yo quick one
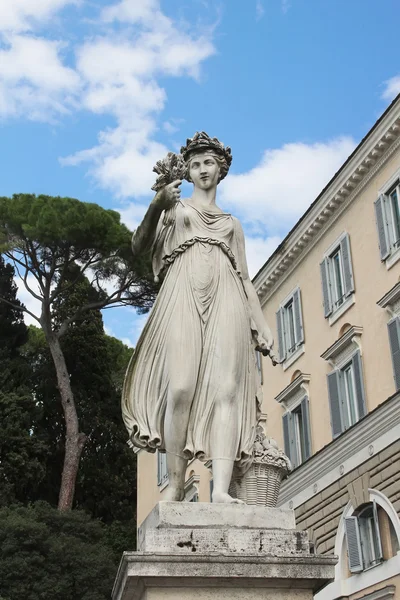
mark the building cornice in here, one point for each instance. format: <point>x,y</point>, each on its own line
<point>373,152</point>
<point>343,454</point>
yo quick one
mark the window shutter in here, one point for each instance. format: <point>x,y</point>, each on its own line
<point>394,338</point>
<point>378,534</point>
<point>162,472</point>
<point>381,224</point>
<point>325,287</point>
<point>305,417</point>
<point>281,343</point>
<point>288,437</point>
<point>158,468</point>
<point>353,544</point>
<point>359,384</point>
<point>298,320</point>
<point>347,266</point>
<point>286,434</point>
<point>334,403</point>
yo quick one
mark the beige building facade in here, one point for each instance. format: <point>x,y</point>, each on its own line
<point>332,288</point>
<point>331,293</point>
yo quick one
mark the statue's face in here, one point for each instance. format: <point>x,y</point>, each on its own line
<point>204,171</point>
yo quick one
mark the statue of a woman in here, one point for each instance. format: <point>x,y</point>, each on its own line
<point>190,388</point>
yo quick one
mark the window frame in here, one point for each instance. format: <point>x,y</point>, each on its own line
<point>289,318</point>
<point>162,470</point>
<point>338,287</point>
<point>363,553</point>
<point>388,222</point>
<point>339,399</point>
<point>297,432</point>
<point>394,344</point>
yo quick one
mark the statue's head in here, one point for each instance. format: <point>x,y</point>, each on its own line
<point>200,145</point>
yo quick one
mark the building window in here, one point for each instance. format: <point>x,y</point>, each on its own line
<point>290,326</point>
<point>162,473</point>
<point>387,211</point>
<point>394,339</point>
<point>296,433</point>
<point>337,276</point>
<point>363,538</point>
<point>346,395</point>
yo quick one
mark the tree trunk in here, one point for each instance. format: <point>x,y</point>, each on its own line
<point>74,440</point>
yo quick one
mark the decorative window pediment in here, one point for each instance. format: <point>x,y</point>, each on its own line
<point>294,392</point>
<point>391,301</point>
<point>344,347</point>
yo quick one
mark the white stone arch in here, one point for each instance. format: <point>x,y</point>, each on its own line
<point>382,501</point>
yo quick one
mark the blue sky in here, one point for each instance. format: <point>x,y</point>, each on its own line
<point>93,92</point>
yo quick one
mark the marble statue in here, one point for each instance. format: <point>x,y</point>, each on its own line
<point>190,388</point>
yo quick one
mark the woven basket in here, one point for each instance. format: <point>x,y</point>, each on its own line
<point>260,485</point>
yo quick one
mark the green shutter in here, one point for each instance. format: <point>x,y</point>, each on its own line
<point>325,288</point>
<point>380,213</point>
<point>353,544</point>
<point>334,403</point>
<point>394,338</point>
<point>298,320</point>
<point>281,342</point>
<point>359,384</point>
<point>305,416</point>
<point>377,532</point>
<point>347,266</point>
<point>289,439</point>
<point>286,434</point>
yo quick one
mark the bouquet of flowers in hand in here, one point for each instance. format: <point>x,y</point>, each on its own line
<point>169,169</point>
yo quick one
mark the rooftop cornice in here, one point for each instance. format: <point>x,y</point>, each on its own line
<point>372,152</point>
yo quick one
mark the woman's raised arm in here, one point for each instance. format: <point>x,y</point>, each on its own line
<point>165,199</point>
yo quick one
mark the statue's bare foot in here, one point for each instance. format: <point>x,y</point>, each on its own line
<point>225,498</point>
<point>174,494</point>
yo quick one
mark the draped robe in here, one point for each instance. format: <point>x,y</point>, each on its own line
<point>199,331</point>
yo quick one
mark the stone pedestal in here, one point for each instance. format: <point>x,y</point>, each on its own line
<point>199,551</point>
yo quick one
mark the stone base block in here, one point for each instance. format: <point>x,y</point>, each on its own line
<point>199,551</point>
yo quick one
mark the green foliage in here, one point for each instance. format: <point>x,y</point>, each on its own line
<point>47,554</point>
<point>106,481</point>
<point>54,221</point>
<point>13,332</point>
<point>47,236</point>
<point>22,452</point>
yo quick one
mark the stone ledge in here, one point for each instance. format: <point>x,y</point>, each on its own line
<point>142,570</point>
<point>207,515</point>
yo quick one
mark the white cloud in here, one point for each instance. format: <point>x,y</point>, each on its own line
<point>23,15</point>
<point>133,214</point>
<point>131,11</point>
<point>258,250</point>
<point>284,183</point>
<point>33,81</point>
<point>392,88</point>
<point>28,300</point>
<point>122,78</point>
